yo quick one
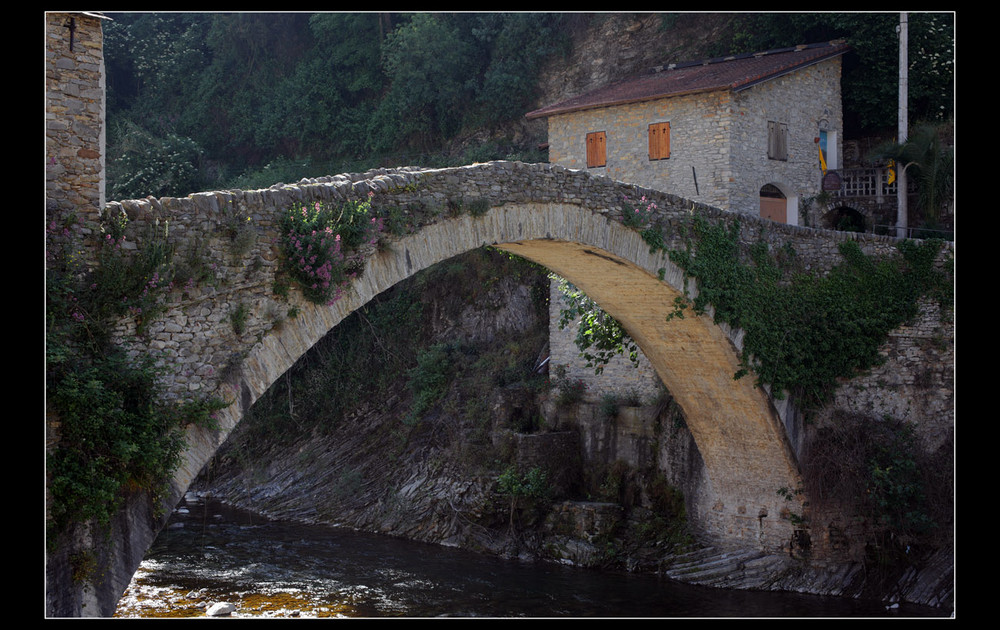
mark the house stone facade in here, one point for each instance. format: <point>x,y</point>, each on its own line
<point>721,117</point>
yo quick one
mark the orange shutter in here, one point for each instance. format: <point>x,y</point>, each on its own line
<point>659,141</point>
<point>596,151</point>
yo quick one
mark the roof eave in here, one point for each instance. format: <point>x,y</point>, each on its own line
<point>541,113</point>
<point>780,73</point>
<point>737,87</point>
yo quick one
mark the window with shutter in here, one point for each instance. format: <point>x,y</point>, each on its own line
<point>659,141</point>
<point>777,140</point>
<point>596,149</point>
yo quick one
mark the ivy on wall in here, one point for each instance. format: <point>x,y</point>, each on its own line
<point>804,331</point>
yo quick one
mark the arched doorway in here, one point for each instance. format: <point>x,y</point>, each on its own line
<point>773,204</point>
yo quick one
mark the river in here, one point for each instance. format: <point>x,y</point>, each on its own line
<point>211,553</point>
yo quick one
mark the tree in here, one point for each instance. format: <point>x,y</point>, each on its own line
<point>930,163</point>
<point>532,485</point>
<point>428,66</point>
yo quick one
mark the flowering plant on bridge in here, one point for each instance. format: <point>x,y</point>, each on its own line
<point>637,215</point>
<point>324,247</point>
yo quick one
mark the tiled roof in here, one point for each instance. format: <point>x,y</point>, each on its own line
<point>735,73</point>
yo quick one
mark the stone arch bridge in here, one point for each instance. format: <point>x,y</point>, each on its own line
<point>566,220</point>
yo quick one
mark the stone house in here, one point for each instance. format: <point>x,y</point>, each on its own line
<point>751,133</point>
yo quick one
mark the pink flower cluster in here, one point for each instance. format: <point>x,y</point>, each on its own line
<point>637,215</point>
<point>317,257</point>
<point>321,245</point>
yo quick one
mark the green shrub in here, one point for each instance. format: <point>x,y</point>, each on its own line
<point>430,378</point>
<point>526,490</point>
<point>115,433</point>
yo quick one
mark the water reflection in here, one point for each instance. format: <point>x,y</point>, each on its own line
<point>211,553</point>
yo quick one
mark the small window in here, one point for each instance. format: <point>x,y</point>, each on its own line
<point>596,149</point>
<point>777,140</point>
<point>659,141</point>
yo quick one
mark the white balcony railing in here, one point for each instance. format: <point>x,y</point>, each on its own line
<point>865,182</point>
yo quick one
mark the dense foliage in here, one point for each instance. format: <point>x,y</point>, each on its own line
<point>805,331</point>
<point>234,93</point>
<point>214,100</point>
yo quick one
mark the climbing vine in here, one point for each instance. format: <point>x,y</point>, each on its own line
<point>803,331</point>
<point>599,337</point>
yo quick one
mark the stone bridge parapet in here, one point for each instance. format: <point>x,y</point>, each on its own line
<point>227,242</point>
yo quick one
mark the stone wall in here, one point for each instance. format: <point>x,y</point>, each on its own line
<point>74,115</point>
<point>699,144</point>
<point>916,382</point>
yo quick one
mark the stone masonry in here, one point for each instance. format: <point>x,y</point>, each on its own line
<point>74,115</point>
<point>718,140</point>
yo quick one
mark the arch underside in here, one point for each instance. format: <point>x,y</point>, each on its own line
<point>733,423</point>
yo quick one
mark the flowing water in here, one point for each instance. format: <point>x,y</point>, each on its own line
<point>210,553</point>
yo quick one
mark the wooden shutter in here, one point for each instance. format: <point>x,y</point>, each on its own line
<point>659,141</point>
<point>777,140</point>
<point>596,149</point>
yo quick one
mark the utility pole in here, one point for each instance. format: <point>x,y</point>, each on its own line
<point>901,208</point>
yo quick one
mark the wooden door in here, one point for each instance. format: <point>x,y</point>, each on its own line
<point>774,208</point>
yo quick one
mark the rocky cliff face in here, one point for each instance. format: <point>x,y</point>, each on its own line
<point>607,47</point>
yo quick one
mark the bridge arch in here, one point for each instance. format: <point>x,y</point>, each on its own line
<point>738,431</point>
